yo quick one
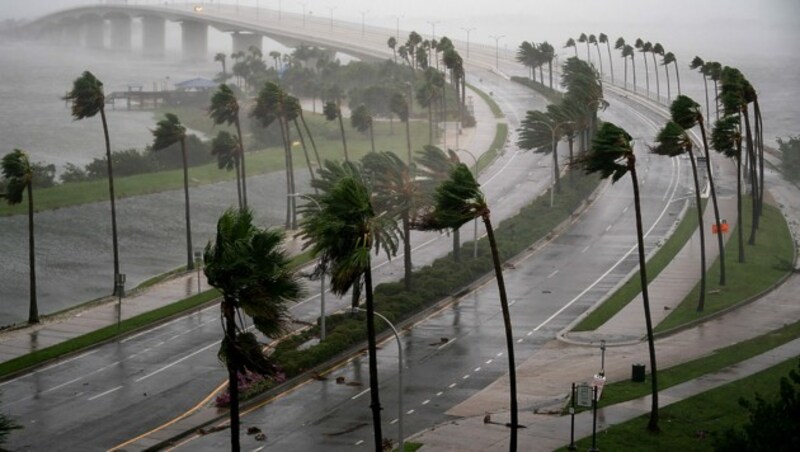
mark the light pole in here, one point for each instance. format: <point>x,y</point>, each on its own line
<point>433,28</point>
<point>468,30</point>
<point>322,329</point>
<point>198,262</point>
<point>397,27</point>
<point>331,8</point>
<point>304,4</point>
<point>475,221</point>
<point>399,377</point>
<point>363,13</point>
<point>119,284</point>
<point>497,50</point>
<point>602,357</point>
<point>553,130</point>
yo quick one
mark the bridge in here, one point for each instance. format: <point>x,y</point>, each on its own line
<point>110,26</point>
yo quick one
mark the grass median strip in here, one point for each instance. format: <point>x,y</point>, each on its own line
<point>496,111</point>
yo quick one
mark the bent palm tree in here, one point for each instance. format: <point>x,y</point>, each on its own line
<point>620,45</point>
<point>398,104</point>
<point>361,120</point>
<point>18,173</point>
<point>87,100</point>
<point>612,156</point>
<point>226,148</point>
<point>332,112</point>
<point>225,109</point>
<point>640,46</point>
<point>169,131</point>
<point>585,40</point>
<point>657,49</point>
<point>727,139</point>
<point>433,167</point>
<point>627,51</point>
<point>341,235</point>
<point>457,201</point>
<point>249,266</point>
<point>593,40</point>
<point>602,38</point>
<point>571,43</point>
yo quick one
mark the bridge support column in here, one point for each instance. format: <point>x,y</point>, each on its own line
<point>121,33</point>
<point>95,33</point>
<point>195,40</point>
<point>70,35</point>
<point>153,35</point>
<point>243,41</point>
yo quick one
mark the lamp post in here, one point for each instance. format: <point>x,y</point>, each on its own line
<point>198,262</point>
<point>363,13</point>
<point>397,27</point>
<point>475,221</point>
<point>399,378</point>
<point>497,50</point>
<point>468,30</point>
<point>433,28</point>
<point>322,329</point>
<point>119,288</point>
<point>304,4</point>
<point>602,357</point>
<point>553,129</point>
<point>331,8</point>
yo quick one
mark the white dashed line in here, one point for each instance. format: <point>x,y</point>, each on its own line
<point>552,274</point>
<point>359,394</point>
<point>410,412</point>
<point>465,377</point>
<point>359,442</point>
<point>425,402</point>
<point>625,209</point>
<point>439,393</point>
<point>477,369</point>
<point>608,228</point>
<point>500,354</point>
<point>394,421</point>
<point>213,344</point>
<point>104,393</point>
<point>452,385</point>
<point>447,343</point>
<point>519,341</point>
<point>489,361</point>
<point>529,333</point>
<point>586,249</point>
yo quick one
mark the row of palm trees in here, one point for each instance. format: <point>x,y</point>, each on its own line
<point>533,55</point>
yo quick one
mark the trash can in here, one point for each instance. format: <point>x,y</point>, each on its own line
<point>637,373</point>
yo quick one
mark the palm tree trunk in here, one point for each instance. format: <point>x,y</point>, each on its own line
<point>310,138</point>
<point>626,72</point>
<point>114,239</point>
<point>375,402</point>
<point>371,137</point>
<point>716,98</point>
<point>571,142</point>
<point>305,149</point>
<point>753,176</point>
<point>669,92</point>
<point>575,48</point>
<point>233,371</point>
<point>701,304</point>
<point>550,72</point>
<point>189,259</point>
<point>406,250</point>
<point>408,139</point>
<point>341,129</point>
<point>658,82</point>
<point>292,186</point>
<point>588,53</point>
<point>237,165</point>
<point>610,63</point>
<point>430,123</point>
<point>244,173</point>
<point>457,244</point>
<point>599,59</point>
<point>33,310</point>
<point>556,175</point>
<point>720,244</point>
<point>652,425</point>
<point>760,147</point>
<point>708,113</point>
<point>646,74</point>
<point>739,215</point>
<point>677,76</point>
<point>287,159</point>
<point>512,370</point>
<point>633,69</point>
<point>541,75</point>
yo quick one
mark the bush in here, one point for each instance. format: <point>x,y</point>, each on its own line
<point>73,173</point>
<point>44,175</point>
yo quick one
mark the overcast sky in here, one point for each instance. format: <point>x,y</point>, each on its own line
<point>679,24</point>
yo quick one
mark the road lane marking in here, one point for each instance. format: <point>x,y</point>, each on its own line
<point>394,421</point>
<point>438,394</point>
<point>489,361</point>
<point>52,366</point>
<point>529,333</point>
<point>176,362</point>
<point>410,411</point>
<point>519,341</point>
<point>499,354</point>
<point>625,209</point>
<point>359,442</point>
<point>477,369</point>
<point>105,393</point>
<point>452,385</point>
<point>359,394</point>
<point>446,343</point>
<point>555,272</point>
<point>465,377</point>
<point>586,249</point>
<point>425,402</point>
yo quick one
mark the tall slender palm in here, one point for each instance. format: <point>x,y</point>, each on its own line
<point>585,39</point>
<point>433,167</point>
<point>18,175</point>
<point>627,51</point>
<point>647,47</point>
<point>250,267</point>
<point>540,133</point>
<point>700,65</point>
<point>714,70</point>
<point>168,132</point>
<point>656,49</point>
<point>571,43</point>
<point>620,45</point>
<point>427,95</point>
<point>726,137</point>
<point>548,54</point>
<point>459,200</point>
<point>526,55</point>
<point>398,104</point>
<point>639,45</point>
<point>668,58</point>
<point>686,113</point>
<point>612,155</point>
<point>341,234</point>
<point>361,120</point>
<point>227,149</point>
<point>333,111</point>
<point>225,109</point>
<point>293,110</point>
<point>593,40</point>
<point>672,140</point>
<point>398,192</point>
<point>602,38</point>
<point>87,100</point>
<point>220,58</point>
<point>392,43</point>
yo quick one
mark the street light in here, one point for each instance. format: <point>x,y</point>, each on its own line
<point>475,220</point>
<point>198,262</point>
<point>322,329</point>
<point>397,27</point>
<point>363,13</point>
<point>433,28</point>
<point>304,4</point>
<point>497,50</point>
<point>356,309</point>
<point>553,130</point>
<point>468,30</point>
<point>119,288</point>
<point>331,8</point>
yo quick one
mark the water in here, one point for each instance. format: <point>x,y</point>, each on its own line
<point>34,78</point>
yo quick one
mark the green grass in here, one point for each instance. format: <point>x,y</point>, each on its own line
<point>766,263</point>
<point>711,412</point>
<point>106,333</point>
<point>628,291</point>
<point>258,162</point>
<point>496,111</point>
<point>500,137</point>
<point>410,446</point>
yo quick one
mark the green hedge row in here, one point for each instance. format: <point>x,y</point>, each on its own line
<point>551,95</point>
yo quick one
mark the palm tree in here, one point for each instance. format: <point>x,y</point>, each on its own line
<point>620,45</point>
<point>548,54</point>
<point>270,106</point>
<point>647,47</point>
<point>398,192</point>
<point>18,175</point>
<point>727,139</point>
<point>571,43</point>
<point>428,93</point>
<point>526,55</point>
<point>459,200</point>
<point>399,106</point>
<point>686,113</point>
<point>593,40</point>
<point>250,267</point>
<point>627,51</point>
<point>341,234</point>
<point>333,110</point>
<point>433,167</point>
<point>656,49</point>
<point>540,133</point>
<point>293,112</point>
<point>668,58</point>
<point>220,57</point>
<point>227,150</point>
<point>714,73</point>
<point>700,65</point>
<point>612,155</point>
<point>639,44</point>
<point>169,131</point>
<point>392,43</point>
<point>225,109</point>
<point>584,39</point>
<point>361,120</point>
<point>276,58</point>
<point>87,100</point>
<point>602,38</point>
<point>672,140</point>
